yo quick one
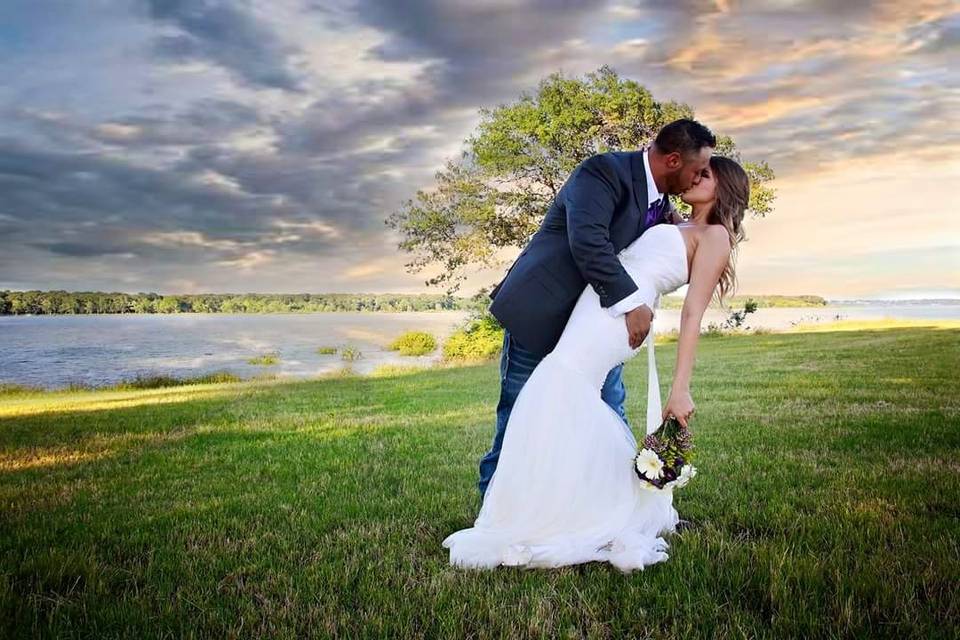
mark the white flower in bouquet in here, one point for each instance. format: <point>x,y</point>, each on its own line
<point>686,472</point>
<point>649,463</point>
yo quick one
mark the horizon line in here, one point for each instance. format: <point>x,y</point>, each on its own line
<point>467,297</point>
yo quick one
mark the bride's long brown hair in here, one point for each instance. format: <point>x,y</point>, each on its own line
<point>732,199</point>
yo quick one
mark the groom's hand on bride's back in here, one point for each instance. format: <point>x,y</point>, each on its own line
<point>638,324</point>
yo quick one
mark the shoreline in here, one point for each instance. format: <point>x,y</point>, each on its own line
<point>226,377</point>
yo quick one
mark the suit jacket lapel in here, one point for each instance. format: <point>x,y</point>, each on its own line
<point>639,182</point>
<point>639,187</point>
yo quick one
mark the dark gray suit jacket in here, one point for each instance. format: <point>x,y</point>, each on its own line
<point>599,210</point>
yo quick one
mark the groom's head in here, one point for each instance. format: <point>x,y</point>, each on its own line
<point>680,153</point>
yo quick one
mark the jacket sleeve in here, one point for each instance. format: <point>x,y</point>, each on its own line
<point>589,198</point>
<point>642,296</point>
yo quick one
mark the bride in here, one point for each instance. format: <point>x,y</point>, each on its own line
<point>564,491</point>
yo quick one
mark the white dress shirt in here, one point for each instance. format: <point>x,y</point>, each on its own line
<point>635,299</point>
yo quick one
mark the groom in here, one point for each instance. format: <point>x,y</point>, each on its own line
<point>606,203</point>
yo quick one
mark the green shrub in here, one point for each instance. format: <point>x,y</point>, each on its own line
<point>714,330</point>
<point>215,377</point>
<point>414,343</point>
<point>733,325</point>
<point>326,351</point>
<point>140,381</point>
<point>147,382</point>
<point>13,389</point>
<point>481,338</point>
<point>350,353</point>
<point>158,381</point>
<point>266,359</point>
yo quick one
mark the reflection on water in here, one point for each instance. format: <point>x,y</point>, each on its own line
<point>54,351</point>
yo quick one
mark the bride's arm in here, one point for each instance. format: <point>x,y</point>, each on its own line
<point>709,260</point>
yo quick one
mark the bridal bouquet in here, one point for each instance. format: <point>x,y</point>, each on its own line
<point>663,463</point>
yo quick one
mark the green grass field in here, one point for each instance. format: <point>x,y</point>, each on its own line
<point>826,505</point>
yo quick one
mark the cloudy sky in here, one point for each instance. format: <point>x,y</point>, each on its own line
<point>185,146</point>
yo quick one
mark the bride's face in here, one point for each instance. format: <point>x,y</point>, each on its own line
<point>704,192</point>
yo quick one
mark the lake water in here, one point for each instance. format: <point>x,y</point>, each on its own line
<point>55,351</point>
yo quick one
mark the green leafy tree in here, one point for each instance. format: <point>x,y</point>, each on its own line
<point>144,305</point>
<point>168,304</point>
<point>495,195</point>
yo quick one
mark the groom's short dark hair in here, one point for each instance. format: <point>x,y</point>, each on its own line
<point>685,136</point>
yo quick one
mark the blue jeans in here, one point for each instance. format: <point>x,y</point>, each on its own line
<point>516,365</point>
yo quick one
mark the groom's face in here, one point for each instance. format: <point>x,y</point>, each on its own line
<point>688,169</point>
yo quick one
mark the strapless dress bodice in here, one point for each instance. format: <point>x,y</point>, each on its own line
<point>657,261</point>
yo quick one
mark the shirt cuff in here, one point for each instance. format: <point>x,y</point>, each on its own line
<point>644,295</point>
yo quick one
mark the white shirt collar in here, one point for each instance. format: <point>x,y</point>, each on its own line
<point>652,194</point>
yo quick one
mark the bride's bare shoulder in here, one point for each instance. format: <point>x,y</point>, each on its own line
<point>714,236</point>
<point>713,245</point>
<point>717,234</point>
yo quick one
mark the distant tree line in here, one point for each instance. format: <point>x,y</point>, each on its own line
<point>92,302</point>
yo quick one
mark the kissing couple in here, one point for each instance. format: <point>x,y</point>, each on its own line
<point>558,485</point>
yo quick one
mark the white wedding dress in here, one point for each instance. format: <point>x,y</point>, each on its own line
<point>565,490</point>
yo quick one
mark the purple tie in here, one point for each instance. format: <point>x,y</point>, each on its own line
<point>654,213</point>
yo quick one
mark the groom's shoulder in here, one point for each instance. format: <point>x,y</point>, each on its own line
<point>609,157</point>
<point>612,164</point>
<point>615,158</point>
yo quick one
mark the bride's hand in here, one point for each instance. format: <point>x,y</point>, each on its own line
<point>680,404</point>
